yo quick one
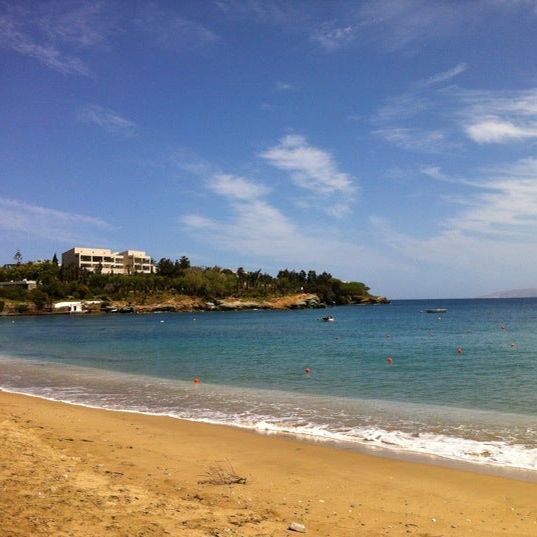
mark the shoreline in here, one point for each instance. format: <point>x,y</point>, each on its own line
<point>189,304</point>
<point>73,470</point>
<point>430,459</point>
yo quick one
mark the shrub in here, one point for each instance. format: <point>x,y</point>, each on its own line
<point>22,308</point>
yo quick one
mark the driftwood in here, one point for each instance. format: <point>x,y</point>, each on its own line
<point>222,475</point>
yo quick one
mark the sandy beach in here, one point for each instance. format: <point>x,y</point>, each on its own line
<point>74,471</point>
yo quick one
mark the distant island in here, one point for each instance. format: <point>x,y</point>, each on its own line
<point>43,287</point>
<point>530,292</point>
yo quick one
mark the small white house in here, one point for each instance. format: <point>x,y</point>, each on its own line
<point>74,306</point>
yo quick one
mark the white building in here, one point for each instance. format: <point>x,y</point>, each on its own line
<point>109,262</point>
<point>72,306</point>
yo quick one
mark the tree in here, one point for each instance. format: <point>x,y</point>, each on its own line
<point>39,298</point>
<point>55,259</point>
<point>165,267</point>
<point>184,262</point>
<point>241,274</point>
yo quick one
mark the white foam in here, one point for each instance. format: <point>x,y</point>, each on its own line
<point>411,429</point>
<point>494,453</point>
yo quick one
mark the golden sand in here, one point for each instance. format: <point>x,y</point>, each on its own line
<point>74,471</point>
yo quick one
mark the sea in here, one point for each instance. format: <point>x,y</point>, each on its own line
<point>458,387</point>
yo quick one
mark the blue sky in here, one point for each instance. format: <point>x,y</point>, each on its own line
<point>391,142</point>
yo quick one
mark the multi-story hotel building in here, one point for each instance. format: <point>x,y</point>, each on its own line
<point>109,262</point>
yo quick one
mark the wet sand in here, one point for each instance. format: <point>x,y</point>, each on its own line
<point>75,471</point>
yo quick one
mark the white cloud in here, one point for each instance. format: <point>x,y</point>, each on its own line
<point>107,119</point>
<point>494,130</point>
<point>485,117</point>
<point>173,32</point>
<point>332,37</point>
<point>274,12</point>
<point>403,106</point>
<point>14,37</point>
<point>80,23</point>
<point>261,231</point>
<point>503,202</point>
<point>258,230</point>
<point>281,86</point>
<point>445,75</point>
<point>434,172</point>
<point>491,229</point>
<point>238,188</point>
<point>406,23</point>
<point>54,33</point>
<point>498,116</point>
<point>415,139</point>
<point>44,222</point>
<point>311,168</point>
<point>198,222</point>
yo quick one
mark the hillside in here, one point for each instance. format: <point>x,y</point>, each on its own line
<point>514,293</point>
<point>176,286</point>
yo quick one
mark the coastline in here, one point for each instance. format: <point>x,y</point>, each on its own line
<point>76,470</point>
<point>186,304</point>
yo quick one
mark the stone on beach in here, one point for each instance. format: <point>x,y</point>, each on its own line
<point>295,526</point>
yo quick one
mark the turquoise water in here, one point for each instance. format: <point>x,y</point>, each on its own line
<point>479,405</point>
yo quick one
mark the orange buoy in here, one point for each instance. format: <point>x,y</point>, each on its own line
<point>389,360</point>
<point>196,380</point>
<point>307,370</point>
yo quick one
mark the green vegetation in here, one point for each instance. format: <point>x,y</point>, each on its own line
<point>171,278</point>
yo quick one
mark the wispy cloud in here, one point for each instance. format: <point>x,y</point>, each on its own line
<point>428,141</point>
<point>54,32</point>
<point>311,168</point>
<point>277,12</point>
<point>81,23</point>
<point>407,23</point>
<point>257,229</point>
<point>490,230</point>
<point>281,86</point>
<point>107,119</point>
<point>261,231</point>
<point>485,117</point>
<point>497,117</point>
<point>494,130</point>
<point>171,31</point>
<point>37,221</point>
<point>401,107</point>
<point>237,188</point>
<point>445,76</point>
<point>331,36</point>
<point>14,37</point>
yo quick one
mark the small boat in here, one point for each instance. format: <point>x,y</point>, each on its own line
<point>328,318</point>
<point>436,310</point>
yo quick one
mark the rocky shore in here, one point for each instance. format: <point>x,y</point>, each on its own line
<point>183,303</point>
<point>289,302</point>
